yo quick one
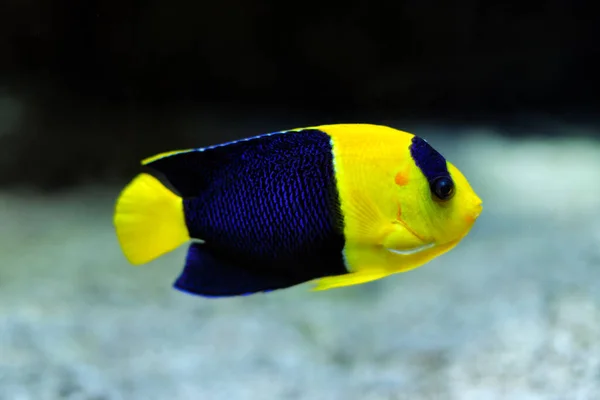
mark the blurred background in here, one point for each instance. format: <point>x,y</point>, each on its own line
<point>507,91</point>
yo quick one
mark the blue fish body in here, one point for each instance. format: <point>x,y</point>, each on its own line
<point>267,212</point>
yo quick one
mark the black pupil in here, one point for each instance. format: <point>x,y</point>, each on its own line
<point>443,188</point>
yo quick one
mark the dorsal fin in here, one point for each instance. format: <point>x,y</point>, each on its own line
<point>191,172</point>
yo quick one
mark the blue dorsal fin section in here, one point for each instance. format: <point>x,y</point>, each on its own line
<point>191,172</point>
<point>208,274</point>
<point>188,172</point>
<point>429,160</point>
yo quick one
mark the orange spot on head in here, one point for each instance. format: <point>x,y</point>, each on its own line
<point>401,179</point>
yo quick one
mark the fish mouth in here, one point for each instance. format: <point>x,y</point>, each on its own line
<point>414,250</point>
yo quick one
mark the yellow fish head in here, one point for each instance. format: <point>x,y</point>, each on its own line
<point>403,203</point>
<point>432,216</point>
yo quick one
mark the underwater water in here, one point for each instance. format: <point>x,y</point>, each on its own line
<point>512,313</point>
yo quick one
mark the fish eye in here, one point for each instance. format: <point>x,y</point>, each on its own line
<point>443,188</point>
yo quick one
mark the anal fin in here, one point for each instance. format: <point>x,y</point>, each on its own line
<point>211,275</point>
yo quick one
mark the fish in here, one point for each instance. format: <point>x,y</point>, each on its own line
<point>336,205</point>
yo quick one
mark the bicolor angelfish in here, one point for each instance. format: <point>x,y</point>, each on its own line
<point>336,204</point>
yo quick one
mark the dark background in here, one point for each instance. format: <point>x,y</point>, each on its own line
<point>89,87</point>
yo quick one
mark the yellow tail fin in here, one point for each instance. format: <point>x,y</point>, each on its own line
<point>149,220</point>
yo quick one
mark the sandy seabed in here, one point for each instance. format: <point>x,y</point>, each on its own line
<point>512,313</point>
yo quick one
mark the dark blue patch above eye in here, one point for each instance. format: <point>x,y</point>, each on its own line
<point>430,162</point>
